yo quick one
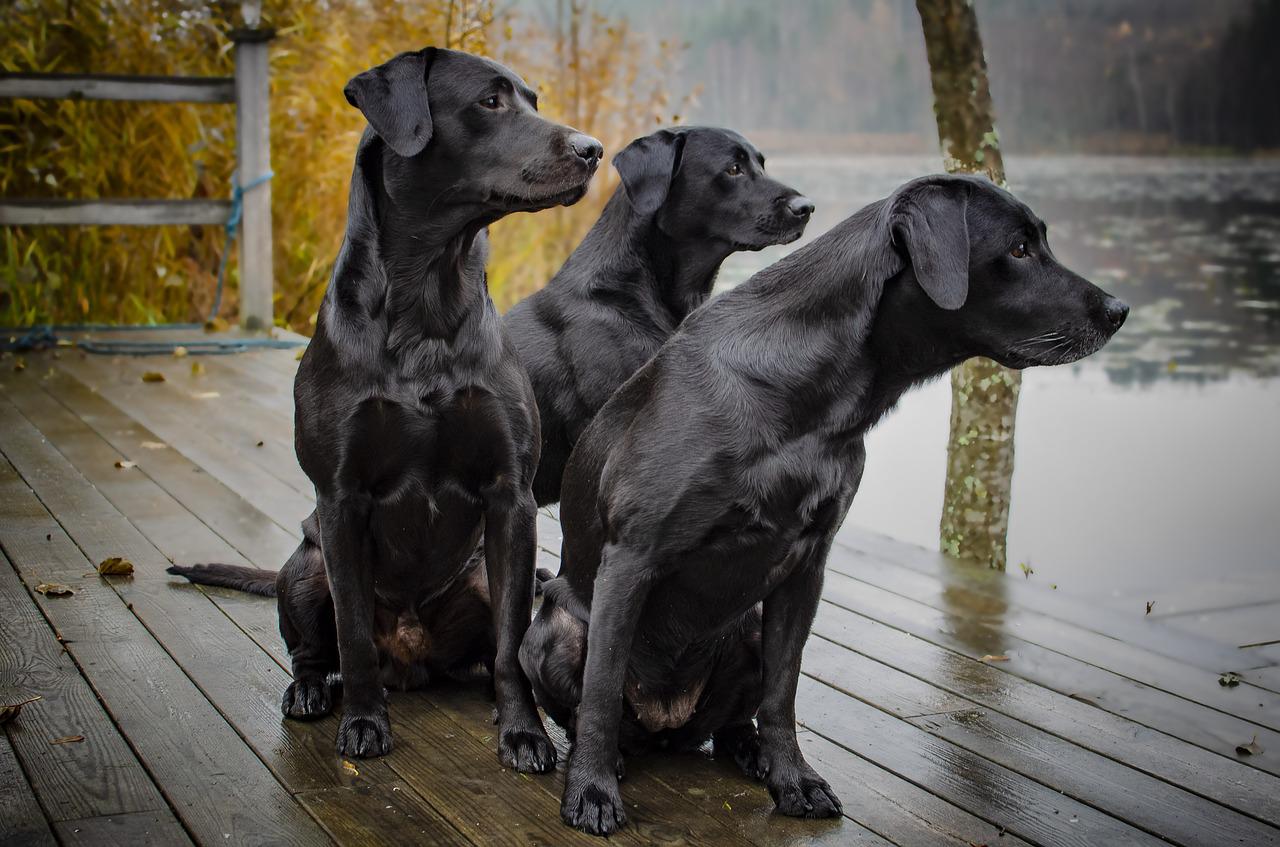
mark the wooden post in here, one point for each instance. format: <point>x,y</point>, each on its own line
<point>253,161</point>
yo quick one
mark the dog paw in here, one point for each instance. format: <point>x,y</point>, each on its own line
<point>804,795</point>
<point>364,736</point>
<point>743,744</point>
<point>528,751</point>
<point>593,805</point>
<point>307,699</point>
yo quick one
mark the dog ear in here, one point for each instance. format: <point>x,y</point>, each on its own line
<point>647,166</point>
<point>393,98</point>
<point>930,222</point>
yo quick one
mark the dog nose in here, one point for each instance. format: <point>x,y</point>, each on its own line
<point>1116,311</point>
<point>586,147</point>
<point>800,206</point>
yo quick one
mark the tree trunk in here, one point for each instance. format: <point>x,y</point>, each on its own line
<point>984,395</point>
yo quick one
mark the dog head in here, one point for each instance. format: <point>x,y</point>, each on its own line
<point>467,129</point>
<point>703,183</point>
<point>981,259</point>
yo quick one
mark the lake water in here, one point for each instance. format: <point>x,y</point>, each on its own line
<point>1150,471</point>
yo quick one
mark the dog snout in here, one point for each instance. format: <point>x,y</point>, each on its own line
<point>587,148</point>
<point>800,206</point>
<point>1115,310</point>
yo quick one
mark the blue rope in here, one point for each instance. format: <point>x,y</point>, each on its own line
<point>36,337</point>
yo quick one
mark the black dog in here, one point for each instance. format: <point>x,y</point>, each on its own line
<point>414,418</point>
<point>699,505</point>
<point>689,198</point>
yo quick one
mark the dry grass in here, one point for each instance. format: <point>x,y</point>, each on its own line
<point>590,71</point>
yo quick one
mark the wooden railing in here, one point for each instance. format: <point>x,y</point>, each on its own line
<point>249,91</point>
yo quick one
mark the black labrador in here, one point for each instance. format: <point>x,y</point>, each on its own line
<point>414,418</point>
<point>699,506</point>
<point>690,197</point>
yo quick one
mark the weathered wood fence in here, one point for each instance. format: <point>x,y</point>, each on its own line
<point>248,90</point>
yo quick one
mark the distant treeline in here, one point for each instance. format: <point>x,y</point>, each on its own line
<point>1088,75</point>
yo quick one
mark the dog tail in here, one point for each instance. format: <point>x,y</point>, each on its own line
<point>252,580</point>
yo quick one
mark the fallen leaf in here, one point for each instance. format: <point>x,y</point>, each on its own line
<point>54,589</point>
<point>66,342</point>
<point>20,364</point>
<point>259,444</point>
<point>297,357</point>
<point>125,464</point>
<point>991,658</point>
<point>205,395</point>
<point>9,711</point>
<point>1230,679</point>
<point>1250,749</point>
<point>350,768</point>
<point>197,368</point>
<point>727,806</point>
<point>115,566</point>
<point>152,376</point>
<point>154,445</point>
<point>68,739</point>
<point>179,351</point>
<point>1027,570</point>
<point>1151,604</point>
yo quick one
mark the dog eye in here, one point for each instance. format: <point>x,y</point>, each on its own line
<point>1019,252</point>
<point>493,101</point>
<point>734,170</point>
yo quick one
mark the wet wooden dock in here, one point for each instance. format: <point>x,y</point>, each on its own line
<point>946,705</point>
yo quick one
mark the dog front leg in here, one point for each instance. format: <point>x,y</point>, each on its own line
<point>365,729</point>
<point>510,553</point>
<point>795,786</point>
<point>591,800</point>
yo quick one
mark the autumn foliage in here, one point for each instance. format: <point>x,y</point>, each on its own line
<point>590,71</point>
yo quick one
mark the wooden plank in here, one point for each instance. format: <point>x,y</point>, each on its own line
<point>1168,674</point>
<point>16,212</point>
<point>67,777</point>
<point>652,807</point>
<point>246,691</point>
<point>257,438</point>
<point>461,778</point>
<point>281,503</point>
<point>155,89</point>
<point>376,815</point>
<point>1005,799</point>
<point>253,169</point>
<point>885,803</point>
<point>139,829</point>
<point>215,783</point>
<point>963,633</point>
<point>254,535</point>
<point>1212,776</point>
<point>1256,623</point>
<point>1029,595</point>
<point>1134,797</point>
<point>21,821</point>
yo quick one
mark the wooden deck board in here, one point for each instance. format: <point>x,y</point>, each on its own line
<point>1100,729</point>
